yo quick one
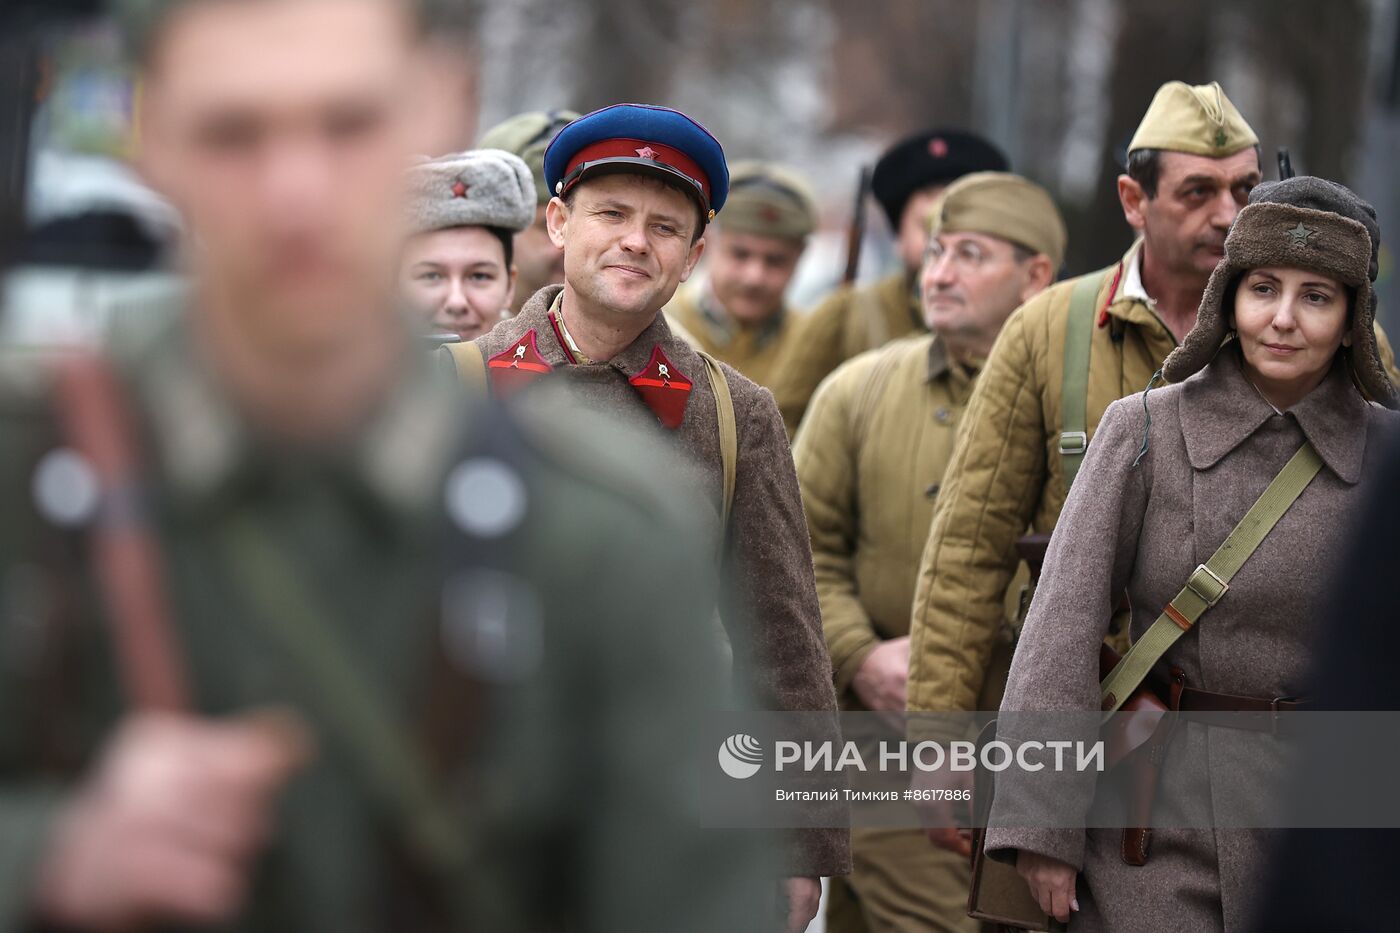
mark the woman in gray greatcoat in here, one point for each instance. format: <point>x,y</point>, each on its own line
<point>1283,353</point>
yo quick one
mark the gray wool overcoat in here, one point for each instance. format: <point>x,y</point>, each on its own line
<point>1213,445</point>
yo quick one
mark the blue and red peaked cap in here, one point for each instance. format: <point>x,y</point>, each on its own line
<point>645,139</point>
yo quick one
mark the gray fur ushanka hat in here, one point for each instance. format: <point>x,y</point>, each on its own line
<point>1299,223</point>
<point>476,188</point>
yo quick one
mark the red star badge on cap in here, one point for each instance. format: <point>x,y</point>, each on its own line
<point>937,148</point>
<point>460,189</point>
<point>646,152</point>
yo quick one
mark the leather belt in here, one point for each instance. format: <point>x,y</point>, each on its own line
<point>1260,714</point>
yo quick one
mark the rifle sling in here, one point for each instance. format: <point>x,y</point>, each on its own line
<point>289,615</point>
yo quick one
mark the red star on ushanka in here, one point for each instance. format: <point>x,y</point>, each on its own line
<point>460,189</point>
<point>646,152</point>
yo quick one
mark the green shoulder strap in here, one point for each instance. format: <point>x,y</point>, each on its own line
<point>291,617</point>
<point>1209,582</point>
<point>728,432</point>
<point>1074,391</point>
<point>470,366</point>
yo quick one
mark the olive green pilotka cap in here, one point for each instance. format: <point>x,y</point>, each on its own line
<point>1003,205</point>
<point>528,135</point>
<point>1197,119</point>
<point>769,199</point>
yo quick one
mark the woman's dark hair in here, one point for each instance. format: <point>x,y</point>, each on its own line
<point>507,243</point>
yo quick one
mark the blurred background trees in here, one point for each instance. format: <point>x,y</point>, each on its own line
<point>826,84</point>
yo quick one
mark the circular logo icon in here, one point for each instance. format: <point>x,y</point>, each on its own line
<point>740,756</point>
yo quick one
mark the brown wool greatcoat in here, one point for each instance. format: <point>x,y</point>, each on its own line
<point>780,653</point>
<point>1214,444</point>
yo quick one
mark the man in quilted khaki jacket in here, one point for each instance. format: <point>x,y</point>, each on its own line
<point>870,456</point>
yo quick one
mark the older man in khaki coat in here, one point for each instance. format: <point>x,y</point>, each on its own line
<point>870,456</point>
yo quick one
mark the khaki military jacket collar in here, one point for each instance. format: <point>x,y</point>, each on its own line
<point>202,444</point>
<point>1126,299</point>
<point>1220,409</point>
<point>941,365</point>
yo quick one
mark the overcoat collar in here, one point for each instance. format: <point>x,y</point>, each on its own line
<point>1220,409</point>
<point>632,362</point>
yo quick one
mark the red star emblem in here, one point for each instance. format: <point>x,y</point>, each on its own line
<point>460,189</point>
<point>769,214</point>
<point>937,148</point>
<point>646,152</point>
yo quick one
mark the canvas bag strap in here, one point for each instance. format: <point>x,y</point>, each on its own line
<point>1210,581</point>
<point>469,364</point>
<point>728,432</point>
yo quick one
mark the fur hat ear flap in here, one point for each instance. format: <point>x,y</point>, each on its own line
<point>1364,352</point>
<point>1212,325</point>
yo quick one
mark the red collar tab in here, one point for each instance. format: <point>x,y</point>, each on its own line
<point>520,364</point>
<point>665,389</point>
<point>622,148</point>
<point>1112,290</point>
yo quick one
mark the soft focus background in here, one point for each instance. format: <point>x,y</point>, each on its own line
<point>823,84</point>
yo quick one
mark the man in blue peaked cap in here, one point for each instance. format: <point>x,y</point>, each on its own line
<point>634,187</point>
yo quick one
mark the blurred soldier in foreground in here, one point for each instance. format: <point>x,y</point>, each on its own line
<point>907,182</point>
<point>635,187</point>
<point>254,674</point>
<point>538,260</point>
<point>457,270</point>
<point>737,312</point>
<point>870,453</point>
